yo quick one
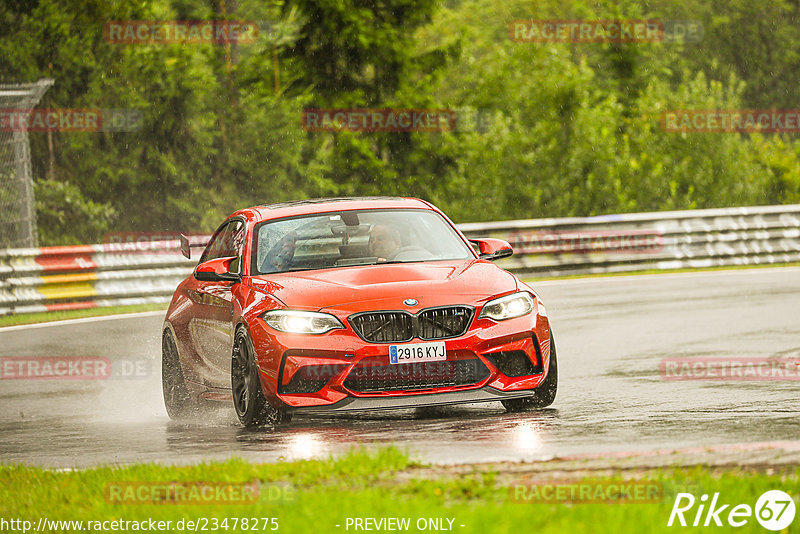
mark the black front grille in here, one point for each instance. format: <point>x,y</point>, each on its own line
<point>383,327</point>
<point>369,377</point>
<point>399,326</point>
<point>440,323</point>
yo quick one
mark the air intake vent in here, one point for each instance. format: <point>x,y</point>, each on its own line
<point>367,377</point>
<point>514,363</point>
<point>311,378</point>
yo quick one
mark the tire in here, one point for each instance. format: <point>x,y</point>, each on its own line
<point>251,406</point>
<point>173,385</point>
<point>545,394</point>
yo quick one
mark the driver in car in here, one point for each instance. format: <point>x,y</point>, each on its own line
<point>280,257</point>
<point>384,242</point>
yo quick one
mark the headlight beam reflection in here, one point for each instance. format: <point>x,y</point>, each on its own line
<point>304,446</point>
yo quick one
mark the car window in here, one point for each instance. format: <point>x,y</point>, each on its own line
<point>355,238</point>
<point>226,242</point>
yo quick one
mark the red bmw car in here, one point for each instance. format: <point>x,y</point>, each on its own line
<point>352,304</point>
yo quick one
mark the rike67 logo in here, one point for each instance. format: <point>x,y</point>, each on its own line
<point>774,510</point>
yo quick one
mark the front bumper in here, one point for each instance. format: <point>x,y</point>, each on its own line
<point>289,362</point>
<point>354,404</point>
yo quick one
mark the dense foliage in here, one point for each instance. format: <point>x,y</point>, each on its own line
<point>561,129</point>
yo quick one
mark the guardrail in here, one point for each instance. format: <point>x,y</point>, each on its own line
<point>57,278</point>
<point>644,241</point>
<point>89,276</point>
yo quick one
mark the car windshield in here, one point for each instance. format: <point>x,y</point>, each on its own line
<point>350,238</point>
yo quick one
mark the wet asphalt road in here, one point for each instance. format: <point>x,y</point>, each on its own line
<point>611,335</point>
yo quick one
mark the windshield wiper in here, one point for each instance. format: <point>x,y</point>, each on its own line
<point>369,262</point>
<point>296,269</point>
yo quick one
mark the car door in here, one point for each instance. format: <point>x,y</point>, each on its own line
<point>211,326</point>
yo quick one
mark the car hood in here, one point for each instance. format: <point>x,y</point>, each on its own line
<point>381,287</point>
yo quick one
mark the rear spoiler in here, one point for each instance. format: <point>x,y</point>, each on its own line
<point>186,246</point>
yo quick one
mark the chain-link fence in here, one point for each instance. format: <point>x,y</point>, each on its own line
<point>17,203</point>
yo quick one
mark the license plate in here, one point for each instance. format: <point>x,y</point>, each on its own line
<point>417,352</point>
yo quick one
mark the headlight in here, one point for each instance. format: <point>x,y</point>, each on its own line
<point>301,322</point>
<point>508,307</point>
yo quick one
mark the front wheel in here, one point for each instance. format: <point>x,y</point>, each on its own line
<point>173,385</point>
<point>251,407</point>
<point>545,394</point>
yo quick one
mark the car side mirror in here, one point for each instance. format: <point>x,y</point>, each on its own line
<point>492,249</point>
<point>217,270</point>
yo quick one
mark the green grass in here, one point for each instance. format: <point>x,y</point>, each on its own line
<point>315,496</point>
<point>43,317</point>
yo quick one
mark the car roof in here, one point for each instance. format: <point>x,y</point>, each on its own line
<point>323,205</point>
